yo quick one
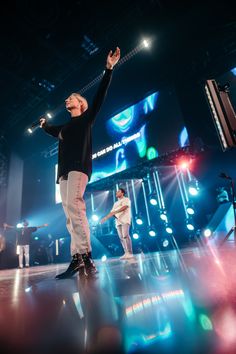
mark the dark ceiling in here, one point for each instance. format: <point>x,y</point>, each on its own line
<point>47,45</point>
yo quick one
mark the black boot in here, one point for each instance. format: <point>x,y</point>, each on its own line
<point>76,265</point>
<point>89,266</point>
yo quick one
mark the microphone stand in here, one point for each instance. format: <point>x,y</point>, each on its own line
<point>233,229</point>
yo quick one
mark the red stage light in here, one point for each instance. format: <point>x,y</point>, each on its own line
<point>184,164</point>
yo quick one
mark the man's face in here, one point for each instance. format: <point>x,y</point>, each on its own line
<point>119,193</point>
<point>75,101</point>
<point>25,223</point>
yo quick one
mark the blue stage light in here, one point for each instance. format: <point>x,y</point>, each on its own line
<point>165,243</point>
<point>233,71</point>
<point>163,215</point>
<point>190,226</point>
<point>152,232</point>
<point>190,210</point>
<point>169,230</point>
<point>153,200</point>
<point>139,220</point>
<point>193,191</point>
<point>135,235</point>
<point>193,188</point>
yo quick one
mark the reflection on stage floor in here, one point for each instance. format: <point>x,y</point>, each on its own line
<point>181,301</point>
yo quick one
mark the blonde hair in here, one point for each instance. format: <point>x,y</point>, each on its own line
<point>80,98</point>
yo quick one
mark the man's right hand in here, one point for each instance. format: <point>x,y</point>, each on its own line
<point>42,122</point>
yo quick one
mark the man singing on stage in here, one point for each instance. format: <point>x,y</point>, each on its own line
<point>23,241</point>
<point>122,213</point>
<point>75,168</point>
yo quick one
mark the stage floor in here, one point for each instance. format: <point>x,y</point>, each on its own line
<point>173,302</point>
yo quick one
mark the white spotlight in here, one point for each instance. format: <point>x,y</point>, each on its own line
<point>135,236</point>
<point>104,258</point>
<point>139,221</point>
<point>163,216</point>
<point>190,210</point>
<point>153,200</point>
<point>190,226</point>
<point>146,43</point>
<point>49,115</point>
<point>152,232</point>
<point>207,233</point>
<point>29,130</point>
<point>193,191</point>
<point>193,188</point>
<point>165,243</point>
<point>95,217</point>
<point>169,230</point>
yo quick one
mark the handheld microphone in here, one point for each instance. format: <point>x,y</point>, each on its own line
<point>35,124</point>
<point>224,175</point>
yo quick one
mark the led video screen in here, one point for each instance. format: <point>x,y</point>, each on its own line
<point>138,133</point>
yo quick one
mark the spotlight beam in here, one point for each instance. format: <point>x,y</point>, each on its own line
<point>146,205</point>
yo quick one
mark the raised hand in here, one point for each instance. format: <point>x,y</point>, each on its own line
<point>42,122</point>
<point>113,58</point>
<point>103,220</point>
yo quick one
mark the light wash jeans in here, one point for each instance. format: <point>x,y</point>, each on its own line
<point>123,232</point>
<point>23,250</point>
<point>72,191</point>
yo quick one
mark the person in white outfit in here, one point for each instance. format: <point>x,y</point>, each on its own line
<point>121,210</point>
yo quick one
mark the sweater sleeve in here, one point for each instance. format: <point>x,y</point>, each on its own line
<point>100,95</point>
<point>33,229</point>
<point>52,130</point>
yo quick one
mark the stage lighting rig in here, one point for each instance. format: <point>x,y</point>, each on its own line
<point>222,112</point>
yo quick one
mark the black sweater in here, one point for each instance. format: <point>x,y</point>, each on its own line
<point>75,137</point>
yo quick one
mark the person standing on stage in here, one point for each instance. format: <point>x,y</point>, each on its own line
<point>23,241</point>
<point>49,246</point>
<point>2,250</point>
<point>2,243</point>
<point>75,168</point>
<point>121,210</point>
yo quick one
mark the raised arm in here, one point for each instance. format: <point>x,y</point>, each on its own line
<point>39,227</point>
<point>98,100</point>
<point>52,130</point>
<point>6,226</point>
